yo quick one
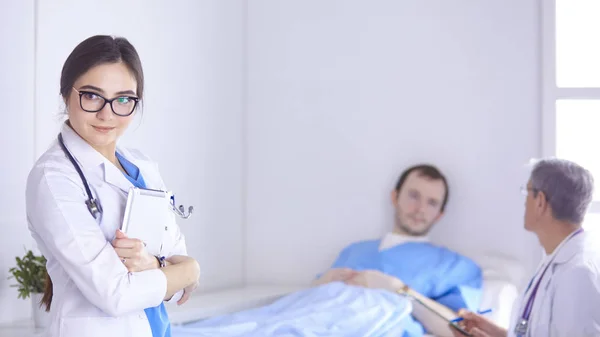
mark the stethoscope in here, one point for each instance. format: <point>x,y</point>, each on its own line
<point>523,325</point>
<point>92,203</point>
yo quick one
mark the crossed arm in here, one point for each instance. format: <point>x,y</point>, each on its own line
<point>73,241</point>
<point>181,271</point>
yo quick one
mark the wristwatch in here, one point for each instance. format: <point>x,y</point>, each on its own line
<point>403,290</point>
<point>161,261</point>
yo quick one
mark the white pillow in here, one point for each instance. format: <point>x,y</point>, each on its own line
<point>501,277</point>
<point>499,296</point>
<point>501,267</point>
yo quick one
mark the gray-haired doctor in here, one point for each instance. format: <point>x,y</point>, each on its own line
<point>563,297</point>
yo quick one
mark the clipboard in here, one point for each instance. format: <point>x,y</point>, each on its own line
<point>146,217</point>
<point>451,325</point>
<point>440,317</point>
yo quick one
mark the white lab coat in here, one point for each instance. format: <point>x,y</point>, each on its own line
<point>94,295</point>
<point>567,303</point>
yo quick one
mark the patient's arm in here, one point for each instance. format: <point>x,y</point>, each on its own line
<point>334,275</point>
<point>432,323</point>
<point>376,280</point>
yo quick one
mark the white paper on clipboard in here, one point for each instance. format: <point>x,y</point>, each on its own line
<point>146,215</point>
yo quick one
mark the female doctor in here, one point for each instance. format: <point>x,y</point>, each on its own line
<point>563,297</point>
<point>102,282</point>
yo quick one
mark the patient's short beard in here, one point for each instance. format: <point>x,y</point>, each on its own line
<point>412,232</point>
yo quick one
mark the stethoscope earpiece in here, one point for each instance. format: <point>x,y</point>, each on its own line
<point>181,211</point>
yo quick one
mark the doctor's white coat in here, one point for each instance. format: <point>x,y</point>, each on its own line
<point>567,303</point>
<point>94,294</point>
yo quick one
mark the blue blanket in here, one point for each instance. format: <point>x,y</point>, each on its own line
<point>334,309</point>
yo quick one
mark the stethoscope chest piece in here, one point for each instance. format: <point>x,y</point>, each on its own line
<point>94,207</point>
<point>521,328</point>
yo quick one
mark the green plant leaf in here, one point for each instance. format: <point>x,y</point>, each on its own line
<point>29,274</point>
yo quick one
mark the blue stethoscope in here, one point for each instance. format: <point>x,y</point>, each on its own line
<point>523,325</point>
<point>92,203</point>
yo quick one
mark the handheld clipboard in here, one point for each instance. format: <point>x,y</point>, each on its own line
<point>452,325</point>
<point>147,214</point>
<point>459,329</point>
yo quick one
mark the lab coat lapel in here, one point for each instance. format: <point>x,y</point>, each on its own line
<point>83,153</point>
<point>565,253</point>
<point>147,169</point>
<point>114,177</point>
<point>570,248</point>
<point>92,160</point>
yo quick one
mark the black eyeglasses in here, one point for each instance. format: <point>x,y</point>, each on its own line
<point>121,106</point>
<point>525,190</point>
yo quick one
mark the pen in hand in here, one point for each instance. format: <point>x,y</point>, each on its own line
<point>479,312</point>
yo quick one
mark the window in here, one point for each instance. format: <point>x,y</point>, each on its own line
<point>571,86</point>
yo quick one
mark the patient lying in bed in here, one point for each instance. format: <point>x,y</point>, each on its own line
<point>405,255</point>
<point>358,296</point>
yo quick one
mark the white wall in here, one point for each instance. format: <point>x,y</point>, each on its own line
<point>343,95</point>
<point>16,142</point>
<point>192,117</point>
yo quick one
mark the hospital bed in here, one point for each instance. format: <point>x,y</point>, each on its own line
<point>502,276</point>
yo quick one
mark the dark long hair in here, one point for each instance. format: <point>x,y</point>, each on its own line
<point>93,51</point>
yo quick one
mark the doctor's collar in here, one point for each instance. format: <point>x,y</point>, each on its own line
<point>83,152</point>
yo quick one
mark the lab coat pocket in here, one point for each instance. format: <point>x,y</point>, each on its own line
<point>128,326</point>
